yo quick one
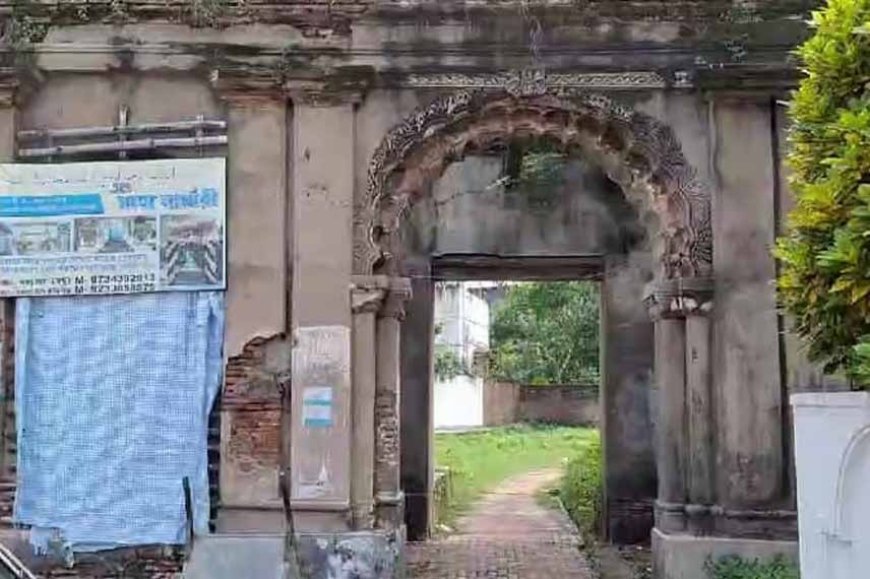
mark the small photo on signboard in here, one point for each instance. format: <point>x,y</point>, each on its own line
<point>31,239</point>
<point>191,251</point>
<point>115,235</point>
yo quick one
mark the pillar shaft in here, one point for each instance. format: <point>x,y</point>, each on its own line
<point>700,416</point>
<point>684,419</point>
<point>256,309</point>
<point>323,185</point>
<point>366,299</point>
<point>390,499</point>
<point>670,356</point>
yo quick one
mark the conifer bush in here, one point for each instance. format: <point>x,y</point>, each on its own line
<point>824,281</point>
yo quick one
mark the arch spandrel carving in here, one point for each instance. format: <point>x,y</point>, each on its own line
<point>639,153</point>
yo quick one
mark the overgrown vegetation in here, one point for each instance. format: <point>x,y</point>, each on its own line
<point>737,568</point>
<point>582,488</point>
<point>825,277</point>
<point>480,460</point>
<point>448,364</point>
<point>546,333</point>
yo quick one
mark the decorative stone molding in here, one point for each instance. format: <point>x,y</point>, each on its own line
<point>637,152</point>
<point>326,93</point>
<point>246,87</point>
<point>679,298</point>
<point>399,293</point>
<point>367,293</point>
<point>536,82</point>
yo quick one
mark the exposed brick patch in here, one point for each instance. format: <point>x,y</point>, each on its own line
<point>141,563</point>
<point>255,438</point>
<point>249,385</point>
<point>386,438</point>
<point>252,397</point>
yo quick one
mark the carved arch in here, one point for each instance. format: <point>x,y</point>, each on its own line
<point>639,153</point>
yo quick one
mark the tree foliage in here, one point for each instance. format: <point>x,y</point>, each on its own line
<point>825,276</point>
<point>448,364</point>
<point>546,333</point>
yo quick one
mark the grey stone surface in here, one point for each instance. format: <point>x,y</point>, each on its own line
<point>685,556</point>
<point>360,555</point>
<point>230,557</point>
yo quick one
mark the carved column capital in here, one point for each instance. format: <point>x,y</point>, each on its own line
<point>399,293</point>
<point>368,293</point>
<point>679,298</point>
<point>326,93</point>
<point>246,87</point>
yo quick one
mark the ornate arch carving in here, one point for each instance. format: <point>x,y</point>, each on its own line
<point>639,153</point>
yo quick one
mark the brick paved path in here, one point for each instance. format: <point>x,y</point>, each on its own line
<point>506,535</point>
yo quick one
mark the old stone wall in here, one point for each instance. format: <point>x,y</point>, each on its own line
<point>501,402</point>
<point>310,89</point>
<point>570,404</point>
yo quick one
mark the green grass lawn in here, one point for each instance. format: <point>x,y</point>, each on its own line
<point>480,460</point>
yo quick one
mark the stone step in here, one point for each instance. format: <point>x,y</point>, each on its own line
<point>235,556</point>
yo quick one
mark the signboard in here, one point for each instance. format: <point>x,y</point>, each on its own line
<point>113,227</point>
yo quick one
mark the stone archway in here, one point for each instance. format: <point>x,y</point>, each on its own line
<point>639,153</point>
<point>645,159</point>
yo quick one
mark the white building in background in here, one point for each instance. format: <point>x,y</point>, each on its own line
<point>462,319</point>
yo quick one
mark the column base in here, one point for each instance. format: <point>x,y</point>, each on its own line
<point>629,520</point>
<point>683,556</point>
<point>375,554</point>
<point>717,521</point>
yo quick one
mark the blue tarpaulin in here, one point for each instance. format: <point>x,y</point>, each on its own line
<point>112,402</point>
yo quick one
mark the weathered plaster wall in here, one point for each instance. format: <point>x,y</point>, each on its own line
<point>469,212</point>
<point>567,404</point>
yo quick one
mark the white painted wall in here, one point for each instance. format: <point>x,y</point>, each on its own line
<point>459,403</point>
<point>462,316</point>
<point>832,451</point>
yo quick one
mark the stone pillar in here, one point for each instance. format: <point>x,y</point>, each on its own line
<point>670,355</point>
<point>627,362</point>
<point>416,401</point>
<point>699,417</point>
<point>366,298</point>
<point>684,416</point>
<point>388,493</point>
<point>258,356</point>
<point>750,398</point>
<point>323,200</point>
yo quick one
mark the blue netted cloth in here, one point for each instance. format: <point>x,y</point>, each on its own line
<point>112,400</point>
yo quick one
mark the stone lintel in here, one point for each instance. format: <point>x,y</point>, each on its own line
<point>679,298</point>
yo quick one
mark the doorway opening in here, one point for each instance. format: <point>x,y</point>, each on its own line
<point>516,406</point>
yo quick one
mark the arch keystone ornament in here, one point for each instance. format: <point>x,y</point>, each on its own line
<point>638,152</point>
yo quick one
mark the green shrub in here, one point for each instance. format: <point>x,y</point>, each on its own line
<point>737,568</point>
<point>582,488</point>
<point>825,276</point>
<point>479,460</point>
